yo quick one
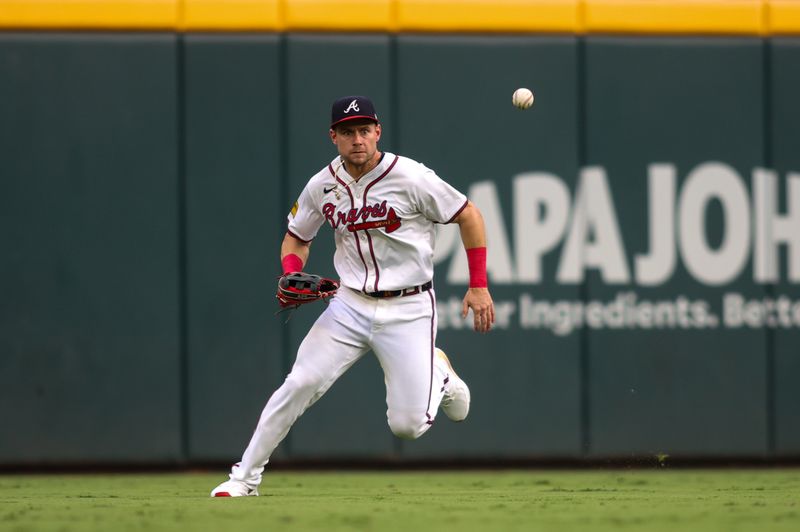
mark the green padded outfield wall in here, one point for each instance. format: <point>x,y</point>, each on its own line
<point>233,120</point>
<point>454,116</point>
<point>89,311</point>
<point>784,157</point>
<point>691,386</point>
<point>641,221</point>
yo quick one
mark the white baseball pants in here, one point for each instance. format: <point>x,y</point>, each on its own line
<point>401,331</point>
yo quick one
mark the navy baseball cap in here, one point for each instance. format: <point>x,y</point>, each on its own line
<point>352,107</point>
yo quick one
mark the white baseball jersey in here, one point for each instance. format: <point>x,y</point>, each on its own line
<point>383,223</point>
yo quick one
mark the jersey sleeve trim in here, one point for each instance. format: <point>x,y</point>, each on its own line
<point>288,232</point>
<point>457,213</point>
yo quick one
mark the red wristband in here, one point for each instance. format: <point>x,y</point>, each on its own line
<point>476,258</point>
<point>292,263</point>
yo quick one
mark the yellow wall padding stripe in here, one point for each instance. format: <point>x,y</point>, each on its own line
<point>702,17</point>
<point>488,15</point>
<point>676,16</point>
<point>90,14</point>
<point>358,15</point>
<point>784,17</point>
<point>230,15</point>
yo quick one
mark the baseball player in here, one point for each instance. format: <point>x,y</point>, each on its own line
<point>383,209</point>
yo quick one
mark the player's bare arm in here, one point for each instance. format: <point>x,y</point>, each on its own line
<point>473,235</point>
<point>294,246</point>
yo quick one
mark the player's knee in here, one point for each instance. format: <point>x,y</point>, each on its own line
<point>303,383</point>
<point>407,426</point>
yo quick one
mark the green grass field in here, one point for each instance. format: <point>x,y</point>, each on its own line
<point>648,500</point>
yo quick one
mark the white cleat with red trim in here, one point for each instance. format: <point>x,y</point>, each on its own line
<point>455,403</point>
<point>234,488</point>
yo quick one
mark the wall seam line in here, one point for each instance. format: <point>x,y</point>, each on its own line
<point>183,265</point>
<point>769,289</point>
<point>284,193</point>
<point>583,290</point>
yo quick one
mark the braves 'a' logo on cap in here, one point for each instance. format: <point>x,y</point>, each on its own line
<point>353,106</point>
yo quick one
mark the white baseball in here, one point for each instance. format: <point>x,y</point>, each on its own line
<point>522,98</point>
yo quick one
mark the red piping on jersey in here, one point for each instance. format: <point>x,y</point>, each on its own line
<point>355,236</point>
<point>355,231</point>
<point>361,255</point>
<point>396,157</point>
<point>433,347</point>
<point>297,237</point>
<point>369,237</point>
<point>458,212</point>
<point>374,260</point>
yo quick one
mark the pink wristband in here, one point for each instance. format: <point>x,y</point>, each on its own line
<point>292,263</point>
<point>476,258</point>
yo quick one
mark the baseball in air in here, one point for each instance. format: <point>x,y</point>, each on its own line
<point>522,98</point>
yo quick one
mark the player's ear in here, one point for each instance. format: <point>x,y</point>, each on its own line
<point>377,132</point>
<point>332,133</point>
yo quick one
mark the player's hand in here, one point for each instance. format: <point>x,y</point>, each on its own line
<point>480,301</point>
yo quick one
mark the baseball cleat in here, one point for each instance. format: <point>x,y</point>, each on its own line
<point>455,403</point>
<point>234,488</point>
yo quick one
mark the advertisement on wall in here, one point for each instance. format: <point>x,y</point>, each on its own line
<point>759,219</point>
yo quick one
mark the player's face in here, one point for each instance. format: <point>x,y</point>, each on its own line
<point>357,142</point>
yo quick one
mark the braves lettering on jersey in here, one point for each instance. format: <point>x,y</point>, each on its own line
<point>382,222</point>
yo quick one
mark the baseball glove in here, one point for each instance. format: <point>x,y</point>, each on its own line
<point>299,288</point>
